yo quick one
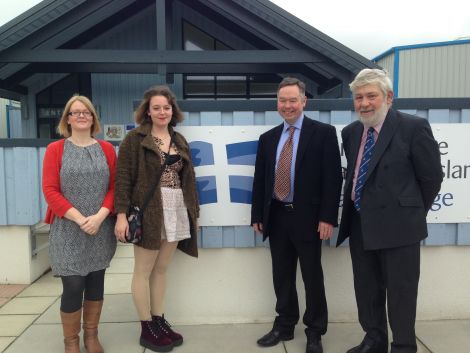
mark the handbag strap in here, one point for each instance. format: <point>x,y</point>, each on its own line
<point>152,189</point>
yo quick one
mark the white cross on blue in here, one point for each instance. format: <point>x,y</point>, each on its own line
<point>366,156</point>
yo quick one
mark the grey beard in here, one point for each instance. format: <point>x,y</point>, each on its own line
<point>377,118</point>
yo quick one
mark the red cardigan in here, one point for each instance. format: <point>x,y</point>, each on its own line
<point>58,205</point>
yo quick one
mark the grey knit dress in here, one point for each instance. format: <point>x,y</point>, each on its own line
<point>84,180</point>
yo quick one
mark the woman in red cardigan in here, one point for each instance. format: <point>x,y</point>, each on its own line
<point>78,185</point>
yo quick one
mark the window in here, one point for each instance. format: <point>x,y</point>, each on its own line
<point>223,86</point>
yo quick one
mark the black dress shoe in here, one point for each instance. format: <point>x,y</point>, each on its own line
<point>368,348</point>
<point>314,345</point>
<point>273,337</point>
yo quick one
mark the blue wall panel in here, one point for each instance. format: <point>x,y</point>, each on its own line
<point>340,117</point>
<point>228,240</point>
<point>463,234</point>
<point>272,118</point>
<point>438,116</point>
<point>211,118</point>
<point>26,163</point>
<point>3,189</point>
<point>466,116</point>
<point>441,234</point>
<point>211,237</point>
<point>43,204</point>
<point>22,202</point>
<point>243,118</point>
<point>245,237</point>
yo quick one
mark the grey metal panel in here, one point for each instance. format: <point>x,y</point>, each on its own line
<point>387,63</point>
<point>3,189</point>
<point>441,234</point>
<point>442,71</point>
<point>463,234</point>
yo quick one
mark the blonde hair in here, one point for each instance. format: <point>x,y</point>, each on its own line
<point>64,128</point>
<point>141,113</point>
<point>375,77</point>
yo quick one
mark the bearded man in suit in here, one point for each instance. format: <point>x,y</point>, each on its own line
<point>296,192</point>
<point>393,175</point>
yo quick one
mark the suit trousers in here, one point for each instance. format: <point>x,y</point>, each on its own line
<point>386,277</point>
<point>287,248</point>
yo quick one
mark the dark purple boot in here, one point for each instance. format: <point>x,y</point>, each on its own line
<point>164,325</point>
<point>153,338</point>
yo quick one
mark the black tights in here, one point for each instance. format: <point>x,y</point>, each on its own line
<point>92,285</point>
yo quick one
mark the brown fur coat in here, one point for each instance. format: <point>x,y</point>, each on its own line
<point>138,163</point>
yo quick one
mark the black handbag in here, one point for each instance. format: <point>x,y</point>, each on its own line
<point>135,214</point>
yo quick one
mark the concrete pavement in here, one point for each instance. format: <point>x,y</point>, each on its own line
<point>30,322</point>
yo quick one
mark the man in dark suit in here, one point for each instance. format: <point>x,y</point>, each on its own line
<point>394,173</point>
<point>296,191</point>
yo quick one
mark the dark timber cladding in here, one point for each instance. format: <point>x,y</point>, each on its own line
<point>258,37</point>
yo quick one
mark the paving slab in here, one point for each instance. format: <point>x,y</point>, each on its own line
<point>14,325</point>
<point>46,286</point>
<point>445,336</point>
<point>11,290</point>
<point>124,250</point>
<point>121,265</point>
<point>232,338</point>
<point>117,283</point>
<point>339,338</point>
<point>27,305</point>
<point>116,338</point>
<point>5,341</point>
<point>116,308</point>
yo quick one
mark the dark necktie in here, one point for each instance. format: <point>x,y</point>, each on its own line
<point>282,176</point>
<point>361,178</point>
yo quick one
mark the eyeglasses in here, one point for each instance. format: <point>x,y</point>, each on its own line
<point>77,113</point>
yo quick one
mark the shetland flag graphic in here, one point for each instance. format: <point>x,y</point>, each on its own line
<point>224,159</point>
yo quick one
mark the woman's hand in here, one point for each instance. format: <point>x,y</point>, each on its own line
<point>92,224</point>
<point>121,230</point>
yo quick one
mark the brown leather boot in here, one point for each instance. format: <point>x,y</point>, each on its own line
<point>91,319</point>
<point>71,328</point>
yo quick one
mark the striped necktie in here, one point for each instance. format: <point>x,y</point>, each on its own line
<point>361,178</point>
<point>282,176</point>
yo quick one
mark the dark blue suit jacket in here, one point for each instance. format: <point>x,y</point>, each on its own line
<point>317,183</point>
<point>403,178</point>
